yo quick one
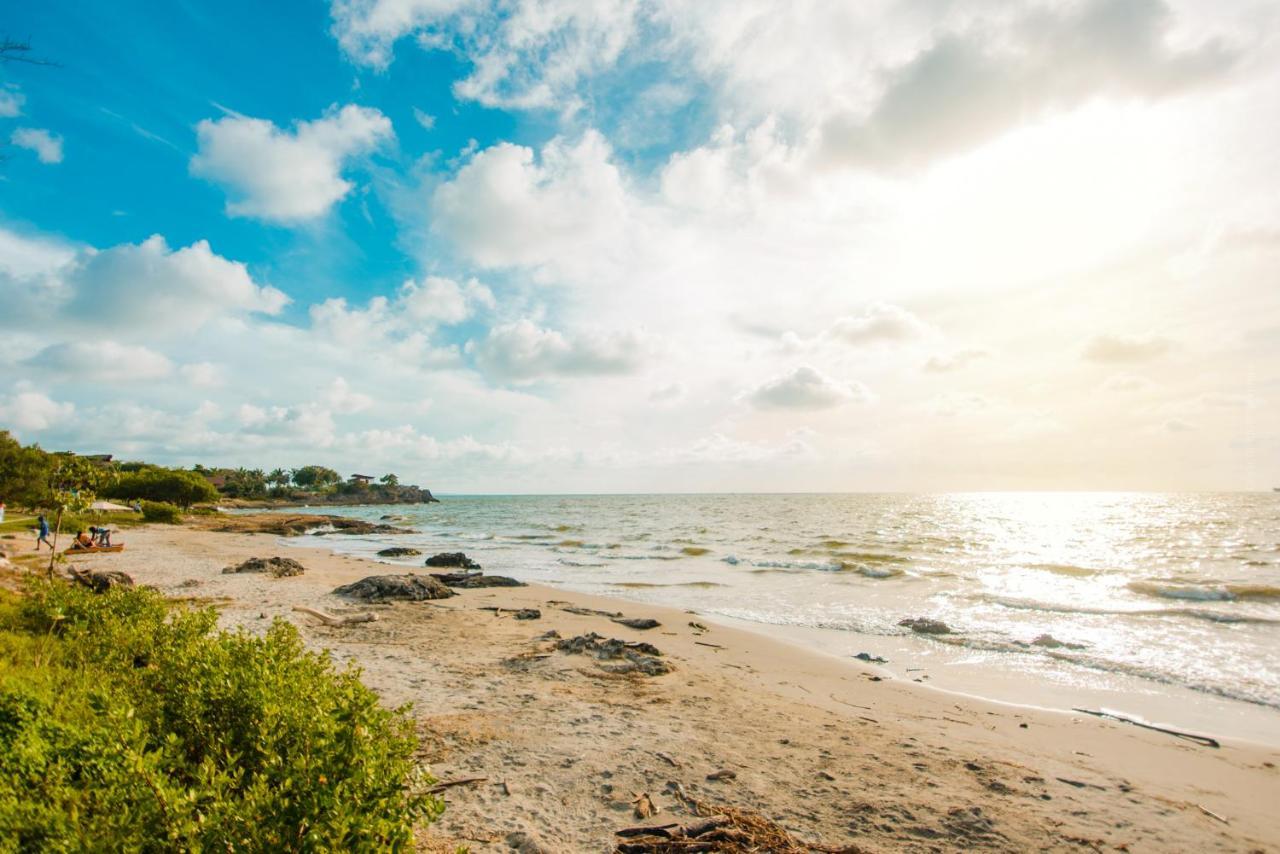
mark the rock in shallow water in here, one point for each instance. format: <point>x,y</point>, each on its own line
<point>399,551</point>
<point>383,588</point>
<point>473,580</point>
<point>454,559</point>
<point>926,626</point>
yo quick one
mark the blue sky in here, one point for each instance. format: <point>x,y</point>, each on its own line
<point>650,245</point>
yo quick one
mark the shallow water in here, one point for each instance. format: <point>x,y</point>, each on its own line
<point>1146,593</point>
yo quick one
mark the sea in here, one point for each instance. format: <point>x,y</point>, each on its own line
<point>1164,607</point>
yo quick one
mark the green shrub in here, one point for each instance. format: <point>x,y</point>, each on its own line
<point>175,486</point>
<point>124,726</point>
<point>158,511</point>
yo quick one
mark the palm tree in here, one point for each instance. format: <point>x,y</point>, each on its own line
<point>278,478</point>
<point>389,479</point>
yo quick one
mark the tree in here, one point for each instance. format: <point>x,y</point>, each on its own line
<point>278,478</point>
<point>244,483</point>
<point>23,472</point>
<point>315,477</point>
<point>389,480</point>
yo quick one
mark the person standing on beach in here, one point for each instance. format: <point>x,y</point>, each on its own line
<point>44,533</point>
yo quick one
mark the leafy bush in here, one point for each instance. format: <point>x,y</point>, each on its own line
<point>175,486</point>
<point>158,511</point>
<point>126,727</point>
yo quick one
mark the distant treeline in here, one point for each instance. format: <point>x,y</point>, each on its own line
<point>33,477</point>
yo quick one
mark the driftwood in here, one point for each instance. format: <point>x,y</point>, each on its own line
<point>1211,814</point>
<point>725,829</point>
<point>332,620</point>
<point>1204,740</point>
<point>449,784</point>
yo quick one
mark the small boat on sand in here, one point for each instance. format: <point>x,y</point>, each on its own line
<point>88,550</point>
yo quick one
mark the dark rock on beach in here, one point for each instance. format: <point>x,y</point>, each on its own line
<point>637,622</point>
<point>926,626</point>
<point>528,614</point>
<point>280,567</point>
<point>399,551</point>
<point>475,580</point>
<point>871,659</point>
<point>383,588</point>
<point>453,559</point>
<point>100,581</point>
<point>633,657</point>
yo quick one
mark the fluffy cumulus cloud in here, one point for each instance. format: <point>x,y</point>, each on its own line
<point>877,324</point>
<point>806,388</point>
<point>46,146</point>
<point>34,411</point>
<point>131,286</point>
<point>524,352</point>
<point>286,176</point>
<point>101,361</point>
<point>1122,349</point>
<point>508,208</point>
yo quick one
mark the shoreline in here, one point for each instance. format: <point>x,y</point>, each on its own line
<point>1002,676</point>
<point>809,735</point>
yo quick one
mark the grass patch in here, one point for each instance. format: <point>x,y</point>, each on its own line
<point>129,724</point>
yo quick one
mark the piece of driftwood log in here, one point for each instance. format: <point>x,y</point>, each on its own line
<point>333,620</point>
<point>449,784</point>
<point>712,645</point>
<point>1211,813</point>
<point>1198,739</point>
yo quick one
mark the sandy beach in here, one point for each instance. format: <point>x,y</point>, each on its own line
<point>835,750</point>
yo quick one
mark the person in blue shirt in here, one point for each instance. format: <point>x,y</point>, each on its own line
<point>44,534</point>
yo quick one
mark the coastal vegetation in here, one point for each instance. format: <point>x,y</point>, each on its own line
<point>34,478</point>
<point>128,723</point>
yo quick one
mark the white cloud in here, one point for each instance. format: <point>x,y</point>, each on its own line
<point>505,208</point>
<point>167,292</point>
<point>423,118</point>
<point>47,146</point>
<point>1127,383</point>
<point>878,323</point>
<point>101,361</point>
<point>11,101</point>
<point>1177,425</point>
<point>344,400</point>
<point>523,352</point>
<point>286,176</point>
<point>31,410</point>
<point>806,388</point>
<point>203,374</point>
<point>1122,349</point>
<point>946,362</point>
<point>523,55</point>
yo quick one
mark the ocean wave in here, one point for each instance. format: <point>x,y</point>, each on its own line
<point>644,585</point>
<point>1066,569</point>
<point>1191,613</point>
<point>566,562</point>
<point>786,565</point>
<point>1204,592</point>
<point>1262,695</point>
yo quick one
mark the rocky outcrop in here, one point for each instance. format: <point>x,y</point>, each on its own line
<point>279,567</point>
<point>385,588</point>
<point>291,524</point>
<point>452,559</point>
<point>101,580</point>
<point>632,657</point>
<point>399,551</point>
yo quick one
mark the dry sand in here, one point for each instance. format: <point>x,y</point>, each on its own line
<point>834,750</point>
